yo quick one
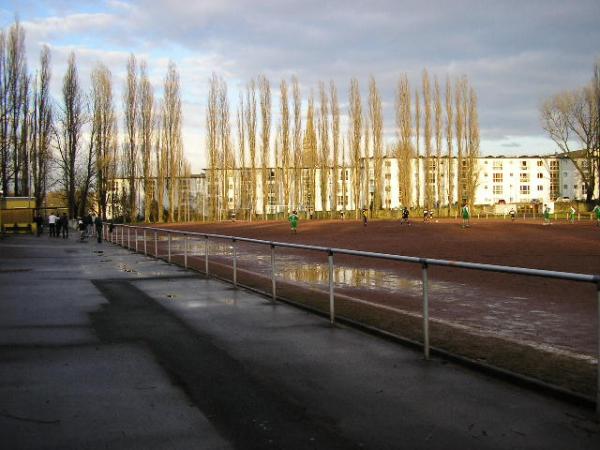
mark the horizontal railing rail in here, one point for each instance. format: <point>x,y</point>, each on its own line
<point>125,241</point>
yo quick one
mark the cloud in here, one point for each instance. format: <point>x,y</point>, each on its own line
<point>515,53</point>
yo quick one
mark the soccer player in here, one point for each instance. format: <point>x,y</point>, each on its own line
<point>596,210</point>
<point>293,219</point>
<point>364,216</point>
<point>546,215</point>
<point>466,215</point>
<point>572,214</point>
<point>405,214</point>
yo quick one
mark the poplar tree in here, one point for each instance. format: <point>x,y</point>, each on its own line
<point>264,88</point>
<point>404,149</point>
<point>146,127</point>
<point>354,138</point>
<point>130,112</point>
<point>376,118</point>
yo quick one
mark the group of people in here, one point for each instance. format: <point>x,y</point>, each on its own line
<point>58,225</point>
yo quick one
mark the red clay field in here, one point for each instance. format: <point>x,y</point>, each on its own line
<point>535,326</point>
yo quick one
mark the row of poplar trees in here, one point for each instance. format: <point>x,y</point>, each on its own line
<point>431,125</point>
<point>71,145</point>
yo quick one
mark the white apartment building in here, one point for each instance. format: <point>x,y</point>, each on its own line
<point>534,180</point>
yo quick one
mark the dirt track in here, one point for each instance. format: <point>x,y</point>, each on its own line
<point>544,314</point>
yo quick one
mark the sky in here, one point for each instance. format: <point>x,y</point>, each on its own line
<point>515,53</point>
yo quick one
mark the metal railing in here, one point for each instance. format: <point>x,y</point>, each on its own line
<point>425,263</point>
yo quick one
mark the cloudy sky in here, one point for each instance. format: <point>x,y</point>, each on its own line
<point>515,53</point>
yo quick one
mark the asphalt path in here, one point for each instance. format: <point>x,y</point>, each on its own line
<point>103,348</point>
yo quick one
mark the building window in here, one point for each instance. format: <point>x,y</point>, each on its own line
<point>574,187</point>
<point>498,190</point>
<point>523,165</point>
<point>497,177</point>
<point>485,187</point>
<point>524,178</point>
<point>553,165</point>
<point>540,163</point>
<point>565,187</point>
<point>540,187</point>
<point>565,174</point>
<point>540,175</point>
<point>524,189</point>
<point>497,165</point>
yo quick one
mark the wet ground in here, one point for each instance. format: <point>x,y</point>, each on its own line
<point>104,348</point>
<point>552,315</point>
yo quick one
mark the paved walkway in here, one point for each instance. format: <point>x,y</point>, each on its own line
<point>102,348</point>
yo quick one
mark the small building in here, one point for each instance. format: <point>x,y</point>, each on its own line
<point>16,214</point>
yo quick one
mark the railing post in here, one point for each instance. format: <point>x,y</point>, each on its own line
<point>331,292</point>
<point>122,235</point>
<point>136,240</point>
<point>169,246</point>
<point>145,246</point>
<point>185,251</point>
<point>155,245</point>
<point>425,312</point>
<point>206,256</point>
<point>234,264</point>
<point>273,284</point>
<point>128,238</point>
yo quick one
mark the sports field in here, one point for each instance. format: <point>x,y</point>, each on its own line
<point>538,327</point>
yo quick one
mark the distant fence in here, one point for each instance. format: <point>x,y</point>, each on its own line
<point>124,235</point>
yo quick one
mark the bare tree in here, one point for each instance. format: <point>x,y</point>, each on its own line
<point>225,152</point>
<point>242,188</point>
<point>212,137</point>
<point>323,145</point>
<point>449,139</point>
<point>103,133</point>
<point>16,77</point>
<point>354,138</point>
<point>251,130</point>
<point>460,132</point>
<point>473,146</point>
<point>146,123</point>
<point>376,119</point>
<point>41,128</point>
<point>335,141</point>
<point>418,150</point>
<point>297,142</point>
<point>310,158</point>
<point>171,128</point>
<point>569,118</point>
<point>69,137</point>
<point>130,112</point>
<point>264,88</point>
<point>429,172</point>
<point>285,143</point>
<point>437,111</point>
<point>404,149</point>
<point>4,117</point>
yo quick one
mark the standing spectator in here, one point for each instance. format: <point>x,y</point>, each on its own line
<point>52,224</point>
<point>39,224</point>
<point>58,226</point>
<point>89,223</point>
<point>98,224</point>
<point>512,214</point>
<point>64,225</point>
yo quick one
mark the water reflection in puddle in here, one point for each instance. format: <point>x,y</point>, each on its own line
<point>480,310</point>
